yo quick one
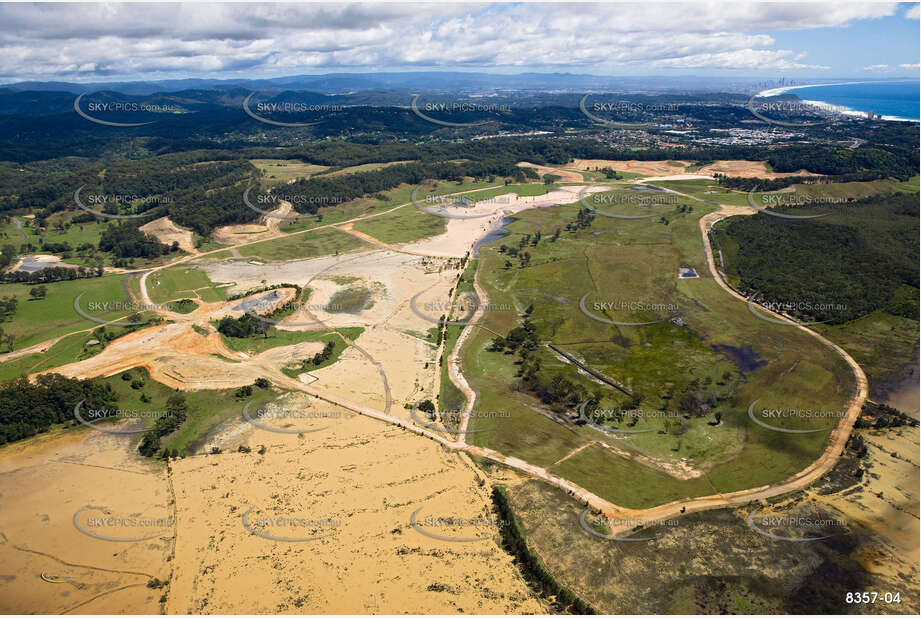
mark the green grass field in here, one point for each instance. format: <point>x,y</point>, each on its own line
<point>404,225</point>
<point>36,321</point>
<point>75,234</point>
<point>207,409</point>
<point>282,171</point>
<point>179,282</point>
<point>718,344</point>
<point>70,349</point>
<point>365,167</point>
<point>327,241</point>
<point>10,234</point>
<point>277,337</point>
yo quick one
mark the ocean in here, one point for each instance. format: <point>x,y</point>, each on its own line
<point>891,100</point>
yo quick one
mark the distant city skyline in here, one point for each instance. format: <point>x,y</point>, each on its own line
<point>126,42</point>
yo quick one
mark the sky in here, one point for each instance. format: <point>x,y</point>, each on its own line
<point>107,42</point>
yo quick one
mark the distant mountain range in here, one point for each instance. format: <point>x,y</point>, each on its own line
<point>429,81</point>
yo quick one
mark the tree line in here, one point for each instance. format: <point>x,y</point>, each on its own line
<point>29,407</point>
<point>862,257</point>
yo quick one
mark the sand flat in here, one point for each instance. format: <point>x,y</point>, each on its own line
<point>44,482</point>
<point>365,479</point>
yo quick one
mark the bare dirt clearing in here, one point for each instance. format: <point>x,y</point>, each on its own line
<point>180,357</point>
<point>887,504</point>
<point>44,482</point>
<point>168,232</point>
<point>462,234</point>
<point>565,176</point>
<point>356,484</point>
<point>748,169</point>
<point>643,168</point>
<point>252,232</point>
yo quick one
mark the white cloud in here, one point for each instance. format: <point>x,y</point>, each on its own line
<point>742,59</point>
<point>93,41</point>
<point>876,67</point>
<point>909,66</point>
<point>914,12</point>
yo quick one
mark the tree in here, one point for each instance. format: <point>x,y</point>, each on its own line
<point>7,254</point>
<point>38,292</point>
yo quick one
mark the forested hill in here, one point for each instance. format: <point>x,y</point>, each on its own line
<point>861,258</point>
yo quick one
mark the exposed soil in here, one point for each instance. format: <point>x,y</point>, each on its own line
<point>644,168</point>
<point>748,169</point>
<point>168,232</point>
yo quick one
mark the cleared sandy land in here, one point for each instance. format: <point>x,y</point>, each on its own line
<point>743,169</point>
<point>880,514</point>
<point>748,169</point>
<point>44,482</point>
<point>401,357</point>
<point>39,258</point>
<point>565,176</point>
<point>392,278</point>
<point>251,232</point>
<point>461,235</point>
<point>168,232</point>
<point>644,168</point>
<point>394,338</point>
<point>356,479</point>
<point>356,484</point>
<point>887,505</point>
<point>182,358</point>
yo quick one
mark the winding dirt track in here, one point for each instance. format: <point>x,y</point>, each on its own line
<point>822,465</point>
<point>798,481</point>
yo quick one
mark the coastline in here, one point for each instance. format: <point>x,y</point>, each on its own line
<point>841,109</point>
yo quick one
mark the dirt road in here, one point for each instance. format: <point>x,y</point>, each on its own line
<point>802,479</point>
<point>798,481</point>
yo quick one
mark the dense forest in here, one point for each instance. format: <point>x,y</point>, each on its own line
<point>194,166</point>
<point>203,189</point>
<point>31,407</point>
<point>775,184</point>
<point>175,415</point>
<point>127,241</point>
<point>860,258</point>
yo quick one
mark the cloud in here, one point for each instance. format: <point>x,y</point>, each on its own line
<point>742,59</point>
<point>914,12</point>
<point>876,67</point>
<point>909,66</point>
<point>92,41</point>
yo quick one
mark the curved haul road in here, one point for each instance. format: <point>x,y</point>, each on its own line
<point>822,465</point>
<point>819,467</point>
<point>800,480</point>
